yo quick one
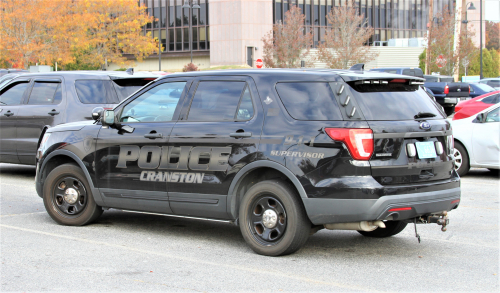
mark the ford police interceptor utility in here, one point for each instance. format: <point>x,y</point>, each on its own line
<point>281,153</point>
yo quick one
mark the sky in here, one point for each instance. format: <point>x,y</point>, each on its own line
<point>492,10</point>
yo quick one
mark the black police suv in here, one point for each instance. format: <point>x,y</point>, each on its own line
<point>33,102</point>
<point>281,153</point>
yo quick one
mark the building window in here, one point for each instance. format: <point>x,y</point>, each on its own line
<point>171,15</point>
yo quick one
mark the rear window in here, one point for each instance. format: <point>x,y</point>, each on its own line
<point>309,100</point>
<point>95,91</point>
<point>396,101</point>
<point>127,86</point>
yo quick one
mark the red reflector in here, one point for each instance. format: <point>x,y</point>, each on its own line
<point>446,89</point>
<point>400,209</point>
<point>359,141</point>
<point>399,80</point>
<point>455,201</point>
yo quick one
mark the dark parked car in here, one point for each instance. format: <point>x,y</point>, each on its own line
<point>479,89</point>
<point>401,70</point>
<point>448,94</point>
<point>281,153</point>
<point>32,102</point>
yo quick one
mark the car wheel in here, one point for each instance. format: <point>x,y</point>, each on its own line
<point>67,197</point>
<point>449,110</point>
<point>391,228</point>
<point>272,218</point>
<point>461,157</point>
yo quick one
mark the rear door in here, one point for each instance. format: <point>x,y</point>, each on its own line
<point>409,148</point>
<point>44,106</point>
<point>218,133</point>
<point>131,156</point>
<point>11,97</point>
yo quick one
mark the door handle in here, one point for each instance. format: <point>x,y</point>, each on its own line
<point>153,135</point>
<point>9,113</point>
<point>53,112</point>
<point>240,134</point>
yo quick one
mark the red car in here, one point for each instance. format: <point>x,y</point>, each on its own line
<point>470,107</point>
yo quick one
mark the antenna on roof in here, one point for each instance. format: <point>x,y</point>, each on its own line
<point>130,71</point>
<point>358,67</point>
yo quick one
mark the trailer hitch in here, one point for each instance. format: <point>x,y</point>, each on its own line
<point>440,219</point>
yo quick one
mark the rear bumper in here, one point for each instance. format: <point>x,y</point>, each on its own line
<point>329,210</point>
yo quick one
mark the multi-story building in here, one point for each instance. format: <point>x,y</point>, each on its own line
<point>229,32</point>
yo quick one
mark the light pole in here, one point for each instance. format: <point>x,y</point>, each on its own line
<point>195,6</point>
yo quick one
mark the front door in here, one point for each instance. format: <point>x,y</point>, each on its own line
<point>45,106</point>
<point>219,132</point>
<point>11,97</point>
<point>132,155</point>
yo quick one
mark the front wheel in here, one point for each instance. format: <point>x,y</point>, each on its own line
<point>273,220</point>
<point>391,228</point>
<point>67,197</point>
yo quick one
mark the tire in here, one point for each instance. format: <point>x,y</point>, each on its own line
<point>449,110</point>
<point>391,228</point>
<point>67,197</point>
<point>287,227</point>
<point>461,156</point>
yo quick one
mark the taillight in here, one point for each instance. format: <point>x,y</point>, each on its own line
<point>450,144</point>
<point>446,89</point>
<point>359,141</point>
<point>469,89</point>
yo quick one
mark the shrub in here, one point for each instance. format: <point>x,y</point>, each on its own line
<point>190,67</point>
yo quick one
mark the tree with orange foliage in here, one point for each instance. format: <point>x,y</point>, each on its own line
<point>30,32</point>
<point>109,29</point>
<point>47,31</point>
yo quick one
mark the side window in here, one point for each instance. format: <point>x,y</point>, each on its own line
<point>471,89</point>
<point>216,101</point>
<point>95,92</point>
<point>245,110</point>
<point>309,100</point>
<point>494,83</point>
<point>13,95</point>
<point>493,116</point>
<point>45,93</point>
<point>156,105</point>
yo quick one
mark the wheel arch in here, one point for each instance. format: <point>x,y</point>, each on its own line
<point>59,157</point>
<point>254,173</point>
<point>464,145</point>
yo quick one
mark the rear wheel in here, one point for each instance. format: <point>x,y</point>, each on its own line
<point>67,197</point>
<point>391,228</point>
<point>273,220</point>
<point>461,157</point>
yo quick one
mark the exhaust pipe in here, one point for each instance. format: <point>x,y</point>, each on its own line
<point>360,226</point>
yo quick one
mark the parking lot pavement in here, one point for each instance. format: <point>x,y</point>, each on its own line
<point>138,252</point>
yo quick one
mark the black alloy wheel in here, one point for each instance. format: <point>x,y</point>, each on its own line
<point>69,196</point>
<point>267,220</point>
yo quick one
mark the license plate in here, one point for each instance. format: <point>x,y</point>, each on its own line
<point>426,150</point>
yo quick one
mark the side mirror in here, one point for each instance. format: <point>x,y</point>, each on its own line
<point>97,113</point>
<point>109,118</point>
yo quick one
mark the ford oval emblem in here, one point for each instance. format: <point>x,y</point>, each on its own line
<point>425,125</point>
<point>459,90</point>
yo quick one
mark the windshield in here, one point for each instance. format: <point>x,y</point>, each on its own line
<point>395,103</point>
